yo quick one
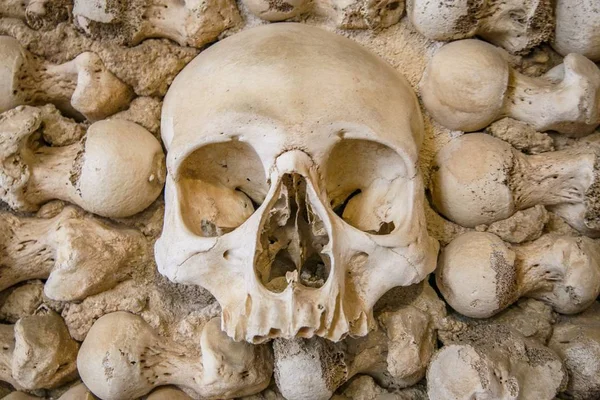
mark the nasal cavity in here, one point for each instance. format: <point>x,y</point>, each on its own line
<point>292,239</point>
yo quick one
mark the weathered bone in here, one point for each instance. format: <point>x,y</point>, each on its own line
<point>577,28</point>
<point>480,275</point>
<point>298,235</point>
<point>123,358</point>
<point>468,84</point>
<point>39,14</point>
<point>277,10</point>
<point>116,171</point>
<point>79,254</point>
<point>576,339</point>
<point>37,352</point>
<point>397,353</point>
<point>478,179</point>
<point>515,25</point>
<point>494,362</point>
<point>189,23</point>
<point>77,392</point>
<point>168,393</point>
<point>82,86</point>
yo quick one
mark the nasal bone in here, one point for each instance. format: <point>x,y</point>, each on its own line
<point>293,161</point>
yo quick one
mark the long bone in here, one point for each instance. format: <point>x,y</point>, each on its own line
<point>189,22</point>
<point>493,21</point>
<point>576,339</point>
<point>37,352</point>
<point>80,87</point>
<point>79,254</point>
<point>494,362</point>
<point>468,84</point>
<point>122,357</point>
<point>396,353</point>
<point>117,170</point>
<point>479,275</point>
<point>478,179</point>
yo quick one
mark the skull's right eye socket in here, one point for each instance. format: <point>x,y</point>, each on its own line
<point>220,186</point>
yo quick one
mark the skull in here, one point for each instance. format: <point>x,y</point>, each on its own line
<point>293,193</point>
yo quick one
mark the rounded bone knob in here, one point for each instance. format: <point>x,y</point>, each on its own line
<point>577,28</point>
<point>479,275</point>
<point>122,171</point>
<point>468,84</point>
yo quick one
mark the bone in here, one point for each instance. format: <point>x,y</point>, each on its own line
<point>77,392</point>
<point>116,171</point>
<point>168,393</point>
<point>189,23</point>
<point>364,387</point>
<point>495,362</point>
<point>20,396</point>
<point>577,28</point>
<point>22,301</point>
<point>496,22</point>
<point>80,87</point>
<point>301,234</point>
<point>479,275</point>
<point>122,357</point>
<point>273,11</point>
<point>576,339</point>
<point>78,254</point>
<point>365,14</point>
<point>396,353</point>
<point>468,84</point>
<point>39,14</point>
<point>37,352</point>
<point>478,179</point>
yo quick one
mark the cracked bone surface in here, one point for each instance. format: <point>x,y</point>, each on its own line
<point>479,275</point>
<point>296,201</point>
<point>190,22</point>
<point>117,170</point>
<point>80,87</point>
<point>37,352</point>
<point>516,25</point>
<point>494,362</point>
<point>577,28</point>
<point>576,339</point>
<point>123,358</point>
<point>469,84</point>
<point>478,179</point>
<point>396,353</point>
<point>79,255</point>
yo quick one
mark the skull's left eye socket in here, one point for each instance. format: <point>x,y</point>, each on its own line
<point>220,185</point>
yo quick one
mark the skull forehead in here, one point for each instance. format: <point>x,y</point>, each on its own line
<point>300,81</point>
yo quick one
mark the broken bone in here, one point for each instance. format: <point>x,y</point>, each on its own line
<point>122,358</point>
<point>576,339</point>
<point>80,255</point>
<point>117,170</point>
<point>80,87</point>
<point>479,275</point>
<point>277,10</point>
<point>468,84</point>
<point>37,352</point>
<point>515,25</point>
<point>478,179</point>
<point>189,23</point>
<point>494,362</point>
<point>577,28</point>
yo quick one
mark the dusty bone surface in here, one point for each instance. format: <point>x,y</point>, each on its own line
<point>331,177</point>
<point>174,312</point>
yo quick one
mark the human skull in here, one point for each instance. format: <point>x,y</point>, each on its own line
<point>293,193</point>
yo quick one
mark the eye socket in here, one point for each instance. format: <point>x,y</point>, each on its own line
<point>367,185</point>
<point>220,186</point>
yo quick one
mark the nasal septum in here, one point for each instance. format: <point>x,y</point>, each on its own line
<point>293,237</point>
